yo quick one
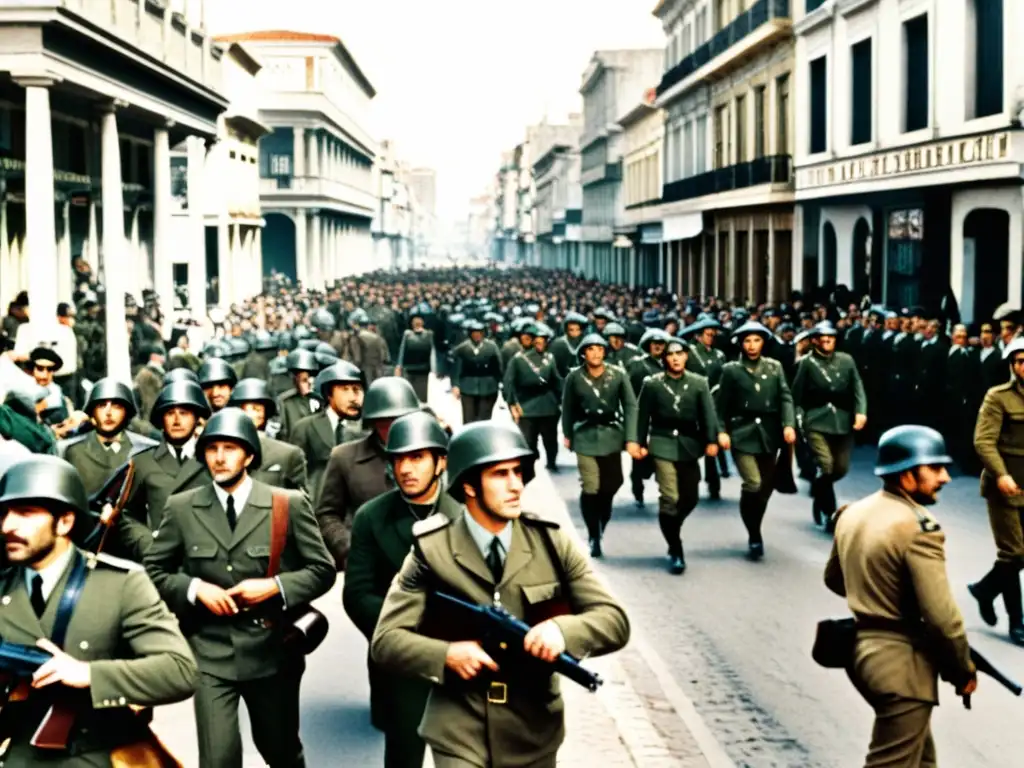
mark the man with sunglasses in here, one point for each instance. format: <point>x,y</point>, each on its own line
<point>56,410</point>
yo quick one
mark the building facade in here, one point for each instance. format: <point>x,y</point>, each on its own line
<point>909,151</point>
<point>96,96</point>
<point>505,244</point>
<point>394,226</point>
<point>643,131</point>
<point>316,164</point>
<point>558,202</point>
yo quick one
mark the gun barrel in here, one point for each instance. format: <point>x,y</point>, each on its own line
<point>986,667</point>
<point>21,660</point>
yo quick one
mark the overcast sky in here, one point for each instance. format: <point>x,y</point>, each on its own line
<point>458,81</point>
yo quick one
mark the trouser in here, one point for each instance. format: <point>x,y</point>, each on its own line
<point>901,736</point>
<point>712,476</point>
<point>544,428</point>
<point>403,747</point>
<point>832,453</point>
<point>641,470</point>
<point>678,482</point>
<point>1006,520</point>
<point>477,407</point>
<point>445,760</point>
<point>420,383</point>
<point>600,478</point>
<point>273,707</point>
<point>757,476</point>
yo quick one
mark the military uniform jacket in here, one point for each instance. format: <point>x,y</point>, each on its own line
<point>566,355</point>
<point>415,355</point>
<point>510,349</point>
<point>477,368</point>
<point>999,440</point>
<point>314,438</point>
<point>707,362</point>
<point>622,357</point>
<point>94,462</point>
<point>532,382</point>
<point>827,392</point>
<point>639,369</point>
<point>281,465</point>
<point>677,415</point>
<point>195,541</point>
<point>136,655</point>
<point>459,719</point>
<point>293,408</point>
<point>373,353</point>
<point>148,383</point>
<point>356,472</point>
<point>888,560</point>
<point>256,366</point>
<point>754,404</point>
<point>598,414</point>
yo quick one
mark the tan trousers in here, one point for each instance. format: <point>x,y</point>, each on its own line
<point>757,472</point>
<point>832,452</point>
<point>600,474</point>
<point>902,736</point>
<point>1005,521</point>
<point>678,484</point>
<point>444,760</point>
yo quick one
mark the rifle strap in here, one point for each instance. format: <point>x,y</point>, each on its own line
<point>278,532</point>
<point>556,563</point>
<point>69,599</point>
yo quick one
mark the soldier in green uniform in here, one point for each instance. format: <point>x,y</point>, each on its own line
<point>257,364</point>
<point>415,358</point>
<point>96,454</point>
<point>755,409</point>
<point>598,412</point>
<point>301,400</point>
<point>217,377</point>
<point>999,442</point>
<point>830,406</point>
<point>707,360</point>
<point>652,344</point>
<point>476,373</point>
<point>620,352</point>
<point>113,654</point>
<point>505,710</point>
<point>209,562</point>
<point>381,538</point>
<point>522,339</point>
<point>564,348</point>
<point>283,465</point>
<point>279,378</point>
<point>533,391</point>
<point>676,413</point>
<point>171,467</point>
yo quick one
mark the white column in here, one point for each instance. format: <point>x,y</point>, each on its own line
<point>134,265</point>
<point>196,227</point>
<point>312,153</point>
<point>772,294</point>
<point>796,262</point>
<point>751,261</point>
<point>114,251</point>
<point>163,267</point>
<point>7,272</point>
<point>257,249</point>
<point>335,250</point>
<point>64,270</point>
<point>301,273</point>
<point>93,246</point>
<point>298,152</point>
<point>40,229</point>
<point>315,254</point>
<point>226,234</point>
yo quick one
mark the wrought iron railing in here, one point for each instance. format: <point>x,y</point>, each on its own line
<point>774,169</point>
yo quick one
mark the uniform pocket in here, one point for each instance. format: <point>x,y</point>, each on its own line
<point>203,551</point>
<point>258,551</point>
<point>538,593</point>
<point>544,601</point>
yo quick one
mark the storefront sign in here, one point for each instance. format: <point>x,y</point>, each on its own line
<point>958,153</point>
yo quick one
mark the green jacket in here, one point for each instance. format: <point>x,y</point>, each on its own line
<point>598,414</point>
<point>827,392</point>
<point>532,382</point>
<point>754,404</point>
<point>566,354</point>
<point>640,368</point>
<point>477,369</point>
<point>194,541</point>
<point>95,463</point>
<point>707,362</point>
<point>999,440</point>
<point>677,415</point>
<point>510,349</point>
<point>416,353</point>
<point>293,408</point>
<point>34,436</point>
<point>282,465</point>
<point>622,357</point>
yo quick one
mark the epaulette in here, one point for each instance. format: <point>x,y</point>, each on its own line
<point>538,522</point>
<point>63,445</point>
<point>140,443</point>
<point>1008,385</point>
<point>430,524</point>
<point>928,523</point>
<point>109,561</point>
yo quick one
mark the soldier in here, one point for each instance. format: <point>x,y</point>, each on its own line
<point>476,374</point>
<point>676,411</point>
<point>217,378</point>
<point>96,454</point>
<point>533,391</point>
<point>652,344</point>
<point>171,467</point>
<point>999,443</point>
<point>565,348</point>
<point>620,352</point>
<point>357,472</point>
<point>415,358</point>
<point>755,409</point>
<point>149,380</point>
<point>257,364</point>
<point>282,465</point>
<point>342,386</point>
<point>707,360</point>
<point>830,404</point>
<point>960,412</point>
<point>209,562</point>
<point>505,709</point>
<point>990,361</point>
<point>598,412</point>
<point>301,400</point>
<point>888,560</point>
<point>522,339</point>
<point>382,536</point>
<point>119,654</point>
<point>279,378</point>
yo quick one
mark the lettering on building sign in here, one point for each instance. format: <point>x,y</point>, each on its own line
<point>990,148</point>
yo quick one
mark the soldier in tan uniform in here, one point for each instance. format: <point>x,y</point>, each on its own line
<point>888,560</point>
<point>486,711</point>
<point>999,442</point>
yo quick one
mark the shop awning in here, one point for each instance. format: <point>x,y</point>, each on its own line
<point>682,227</point>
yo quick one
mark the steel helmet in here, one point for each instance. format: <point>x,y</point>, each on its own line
<point>340,372</point>
<point>216,371</point>
<point>416,432</point>
<point>574,318</point>
<point>908,446</point>
<point>301,332</point>
<point>614,329</point>
<point>389,397</point>
<point>309,343</point>
<point>324,354</point>
<point>299,360</point>
<point>47,481</point>
<point>824,328</point>
<point>112,390</point>
<point>358,317</point>
<point>286,341</point>
<point>233,425</point>
<point>1015,346</point>
<point>481,444</point>
<point>180,374</point>
<point>592,340</point>
<point>652,335</point>
<point>216,348</point>
<point>179,394</point>
<point>542,331</point>
<point>323,320</point>
<point>751,327</point>
<point>265,341</point>
<point>253,391</point>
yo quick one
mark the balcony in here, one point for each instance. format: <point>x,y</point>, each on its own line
<point>775,169</point>
<point>750,27</point>
<point>318,191</point>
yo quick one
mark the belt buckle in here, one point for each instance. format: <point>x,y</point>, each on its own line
<point>497,693</point>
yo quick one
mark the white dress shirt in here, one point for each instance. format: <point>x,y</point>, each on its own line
<point>51,574</point>
<point>333,418</point>
<point>184,451</point>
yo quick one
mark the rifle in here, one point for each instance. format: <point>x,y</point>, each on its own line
<point>498,629</point>
<point>107,504</point>
<point>985,667</point>
<point>17,665</point>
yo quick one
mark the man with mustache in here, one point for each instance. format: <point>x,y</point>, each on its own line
<point>111,654</point>
<point>209,561</point>
<point>217,378</point>
<point>283,465</point>
<point>417,447</point>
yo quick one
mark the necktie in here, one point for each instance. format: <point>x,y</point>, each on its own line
<point>494,560</point>
<point>232,517</point>
<point>339,433</point>
<point>38,603</point>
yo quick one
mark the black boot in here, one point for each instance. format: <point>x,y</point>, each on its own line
<point>671,525</point>
<point>605,507</point>
<point>1012,601</point>
<point>824,494</point>
<point>638,486</point>
<point>723,465</point>
<point>592,519</point>
<point>712,478</point>
<point>986,591</point>
<point>751,513</point>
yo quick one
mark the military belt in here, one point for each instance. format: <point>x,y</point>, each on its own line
<point>534,390</point>
<point>678,428</point>
<point>601,419</point>
<point>882,624</point>
<point>820,399</point>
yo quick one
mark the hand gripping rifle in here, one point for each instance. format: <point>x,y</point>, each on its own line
<point>985,667</point>
<point>17,665</point>
<point>107,504</point>
<point>497,628</point>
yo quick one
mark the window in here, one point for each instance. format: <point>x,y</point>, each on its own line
<point>812,5</point>
<point>915,44</point>
<point>860,92</point>
<point>701,145</point>
<point>280,165</point>
<point>759,129</point>
<point>688,150</point>
<point>679,151</point>
<point>988,57</point>
<point>721,14</point>
<point>702,27</point>
<point>819,106</point>
<point>782,115</point>
<point>720,131</point>
<point>741,129</point>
